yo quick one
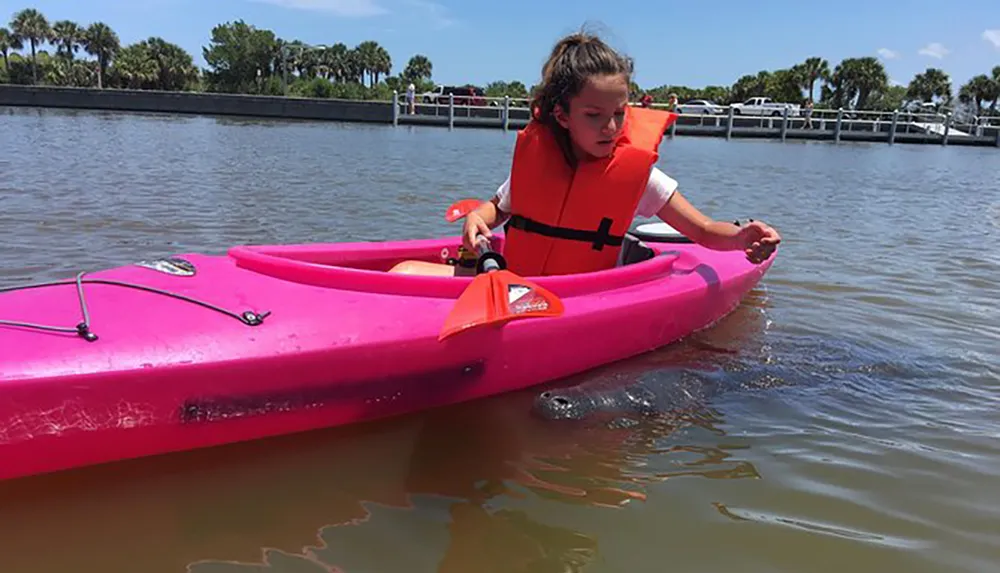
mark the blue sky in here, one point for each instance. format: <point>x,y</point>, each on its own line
<point>677,42</point>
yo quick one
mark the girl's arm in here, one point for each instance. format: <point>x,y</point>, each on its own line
<point>486,216</point>
<point>757,239</point>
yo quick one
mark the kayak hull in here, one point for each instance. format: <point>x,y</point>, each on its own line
<point>270,340</point>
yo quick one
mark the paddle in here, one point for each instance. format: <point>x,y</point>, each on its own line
<point>497,296</point>
<point>460,209</point>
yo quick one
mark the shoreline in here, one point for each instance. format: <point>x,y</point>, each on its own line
<point>887,128</point>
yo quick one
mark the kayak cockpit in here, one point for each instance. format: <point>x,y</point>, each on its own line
<point>365,267</point>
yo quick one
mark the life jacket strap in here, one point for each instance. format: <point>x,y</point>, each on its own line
<point>598,239</point>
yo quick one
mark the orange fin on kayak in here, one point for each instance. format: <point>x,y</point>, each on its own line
<point>496,298</point>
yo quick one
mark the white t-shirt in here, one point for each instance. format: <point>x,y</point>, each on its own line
<point>659,188</point>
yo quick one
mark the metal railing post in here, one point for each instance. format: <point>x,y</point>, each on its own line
<point>506,112</point>
<point>451,111</point>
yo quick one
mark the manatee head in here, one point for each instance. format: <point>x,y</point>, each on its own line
<point>583,402</point>
<point>565,404</point>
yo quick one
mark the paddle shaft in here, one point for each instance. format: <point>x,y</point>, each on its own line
<point>488,259</point>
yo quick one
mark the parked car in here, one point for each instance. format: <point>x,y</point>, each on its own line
<point>464,95</point>
<point>764,106</point>
<point>703,106</point>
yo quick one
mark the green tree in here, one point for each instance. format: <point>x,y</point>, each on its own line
<point>67,37</point>
<point>815,69</point>
<point>785,85</point>
<point>382,64</point>
<point>31,26</point>
<point>101,42</point>
<point>354,66</point>
<point>155,64</point>
<point>8,42</point>
<point>334,60</point>
<point>933,83</point>
<point>514,89</point>
<point>980,89</point>
<point>237,53</point>
<point>175,67</point>
<point>891,99</point>
<point>134,68</point>
<point>418,68</point>
<point>366,54</point>
<point>856,82</point>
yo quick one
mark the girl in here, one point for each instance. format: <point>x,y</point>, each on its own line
<point>583,169</point>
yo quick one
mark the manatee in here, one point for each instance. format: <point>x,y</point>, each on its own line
<point>621,400</point>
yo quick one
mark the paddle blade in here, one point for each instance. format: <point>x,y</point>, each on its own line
<point>496,298</point>
<point>460,209</point>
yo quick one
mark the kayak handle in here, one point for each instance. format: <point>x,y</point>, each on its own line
<point>489,260</point>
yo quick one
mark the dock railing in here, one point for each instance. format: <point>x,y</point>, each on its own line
<point>729,122</point>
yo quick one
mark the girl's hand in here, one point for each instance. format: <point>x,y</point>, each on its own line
<point>759,240</point>
<point>474,225</point>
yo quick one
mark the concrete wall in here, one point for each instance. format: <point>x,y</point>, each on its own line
<point>196,103</point>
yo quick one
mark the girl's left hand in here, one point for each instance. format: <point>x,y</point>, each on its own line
<point>759,240</point>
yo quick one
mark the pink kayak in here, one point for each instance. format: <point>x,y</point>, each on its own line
<point>196,350</point>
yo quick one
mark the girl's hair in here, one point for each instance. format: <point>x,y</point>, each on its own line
<point>573,60</point>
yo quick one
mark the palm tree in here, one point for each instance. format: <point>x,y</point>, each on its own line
<point>101,41</point>
<point>8,42</point>
<point>67,37</point>
<point>977,90</point>
<point>367,58</point>
<point>815,69</point>
<point>134,67</point>
<point>862,77</point>
<point>175,68</point>
<point>335,60</point>
<point>382,64</point>
<point>418,68</point>
<point>29,24</point>
<point>930,84</point>
<point>354,66</point>
<point>996,89</point>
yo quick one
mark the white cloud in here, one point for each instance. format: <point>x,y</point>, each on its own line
<point>438,14</point>
<point>934,50</point>
<point>350,8</point>
<point>893,82</point>
<point>887,54</point>
<point>993,37</point>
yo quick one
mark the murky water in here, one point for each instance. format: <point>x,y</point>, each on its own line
<point>869,443</point>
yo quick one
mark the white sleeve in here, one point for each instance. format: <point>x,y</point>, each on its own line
<point>503,194</point>
<point>659,188</point>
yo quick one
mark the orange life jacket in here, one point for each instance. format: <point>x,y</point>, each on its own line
<point>572,221</point>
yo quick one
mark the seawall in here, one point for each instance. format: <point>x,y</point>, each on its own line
<point>196,103</point>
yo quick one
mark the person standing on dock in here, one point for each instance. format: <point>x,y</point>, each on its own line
<point>411,97</point>
<point>672,103</point>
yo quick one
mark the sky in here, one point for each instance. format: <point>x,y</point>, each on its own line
<point>675,43</point>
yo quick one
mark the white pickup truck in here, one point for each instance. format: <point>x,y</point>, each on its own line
<point>764,106</point>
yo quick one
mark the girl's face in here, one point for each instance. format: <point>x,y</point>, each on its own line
<point>595,115</point>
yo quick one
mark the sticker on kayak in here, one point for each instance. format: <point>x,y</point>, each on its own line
<point>171,265</point>
<point>523,299</point>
